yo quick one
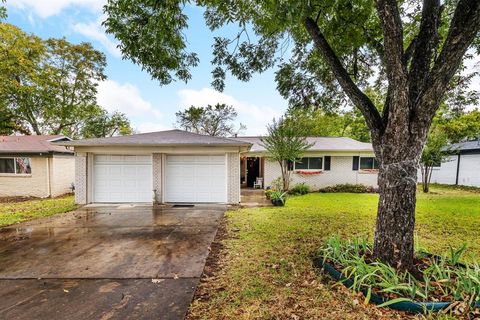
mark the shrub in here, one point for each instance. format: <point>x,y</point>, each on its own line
<point>268,193</point>
<point>300,189</point>
<point>277,184</point>
<point>349,188</point>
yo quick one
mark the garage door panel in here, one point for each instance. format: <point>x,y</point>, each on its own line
<point>195,178</point>
<point>122,178</point>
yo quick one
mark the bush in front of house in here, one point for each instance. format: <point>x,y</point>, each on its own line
<point>349,188</point>
<point>299,189</point>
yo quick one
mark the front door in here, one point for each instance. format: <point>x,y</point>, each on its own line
<point>253,170</point>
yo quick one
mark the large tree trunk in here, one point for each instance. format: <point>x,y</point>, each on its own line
<point>395,224</point>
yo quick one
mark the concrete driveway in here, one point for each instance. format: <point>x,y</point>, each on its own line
<point>119,262</point>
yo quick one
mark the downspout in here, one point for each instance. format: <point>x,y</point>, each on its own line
<point>458,168</point>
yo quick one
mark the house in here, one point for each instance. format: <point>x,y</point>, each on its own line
<point>330,161</point>
<point>33,166</point>
<point>165,166</point>
<point>176,166</point>
<point>462,168</point>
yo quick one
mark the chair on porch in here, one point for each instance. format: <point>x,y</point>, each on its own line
<point>258,184</point>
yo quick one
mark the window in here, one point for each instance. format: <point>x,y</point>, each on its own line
<point>309,163</point>
<point>15,165</point>
<point>368,163</point>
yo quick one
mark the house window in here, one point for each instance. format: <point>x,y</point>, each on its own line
<point>368,163</point>
<point>311,163</point>
<point>15,165</point>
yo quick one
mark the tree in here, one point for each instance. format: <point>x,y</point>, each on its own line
<point>460,125</point>
<point>104,124</point>
<point>434,153</point>
<point>285,143</point>
<point>211,120</point>
<point>50,86</point>
<point>319,123</point>
<point>413,48</point>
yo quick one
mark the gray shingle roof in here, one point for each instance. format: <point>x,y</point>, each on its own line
<point>319,144</point>
<point>467,145</point>
<point>161,138</point>
<point>32,144</point>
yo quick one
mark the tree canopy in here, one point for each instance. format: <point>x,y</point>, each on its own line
<point>285,143</point>
<point>216,120</point>
<point>50,86</point>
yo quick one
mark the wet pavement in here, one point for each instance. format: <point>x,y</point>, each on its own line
<point>98,263</point>
<point>252,198</point>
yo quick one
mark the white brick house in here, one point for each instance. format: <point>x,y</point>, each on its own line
<point>330,161</point>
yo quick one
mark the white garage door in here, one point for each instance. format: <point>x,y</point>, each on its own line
<point>122,178</point>
<point>469,174</point>
<point>195,179</point>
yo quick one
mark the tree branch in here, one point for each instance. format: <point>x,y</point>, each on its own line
<point>425,45</point>
<point>393,41</point>
<point>361,101</point>
<point>464,27</point>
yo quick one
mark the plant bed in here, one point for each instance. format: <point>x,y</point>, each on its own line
<point>440,283</point>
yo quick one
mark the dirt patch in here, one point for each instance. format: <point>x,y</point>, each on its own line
<point>16,199</point>
<point>213,266</point>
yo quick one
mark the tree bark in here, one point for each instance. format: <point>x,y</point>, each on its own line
<point>395,223</point>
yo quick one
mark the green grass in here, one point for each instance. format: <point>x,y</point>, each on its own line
<point>15,212</point>
<point>266,269</point>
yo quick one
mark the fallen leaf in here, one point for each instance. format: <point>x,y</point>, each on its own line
<point>157,280</point>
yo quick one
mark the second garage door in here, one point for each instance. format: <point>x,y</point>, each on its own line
<point>195,178</point>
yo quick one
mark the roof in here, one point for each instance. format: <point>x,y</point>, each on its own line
<point>32,144</point>
<point>466,145</point>
<point>158,139</point>
<point>319,144</point>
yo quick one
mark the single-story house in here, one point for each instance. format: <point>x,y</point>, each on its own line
<point>330,161</point>
<point>462,168</point>
<point>166,166</point>
<point>33,166</point>
<point>176,166</point>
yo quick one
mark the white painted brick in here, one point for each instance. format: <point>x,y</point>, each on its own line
<point>340,172</point>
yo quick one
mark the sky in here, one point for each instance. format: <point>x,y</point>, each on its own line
<point>128,89</point>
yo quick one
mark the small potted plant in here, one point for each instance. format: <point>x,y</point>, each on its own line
<point>278,198</point>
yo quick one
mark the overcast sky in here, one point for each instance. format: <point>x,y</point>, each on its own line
<point>128,89</point>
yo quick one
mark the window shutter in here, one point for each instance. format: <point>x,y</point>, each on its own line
<point>356,160</point>
<point>326,166</point>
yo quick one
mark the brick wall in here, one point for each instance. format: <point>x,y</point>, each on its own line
<point>31,185</point>
<point>157,176</point>
<point>233,178</point>
<point>81,178</point>
<point>340,172</point>
<point>62,175</point>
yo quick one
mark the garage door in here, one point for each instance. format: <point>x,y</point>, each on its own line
<point>122,178</point>
<point>195,179</point>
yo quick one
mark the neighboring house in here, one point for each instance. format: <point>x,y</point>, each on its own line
<point>32,166</point>
<point>166,166</point>
<point>330,161</point>
<point>463,168</point>
<point>176,166</point>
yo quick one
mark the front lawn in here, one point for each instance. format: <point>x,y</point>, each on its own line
<point>265,270</point>
<point>14,212</point>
